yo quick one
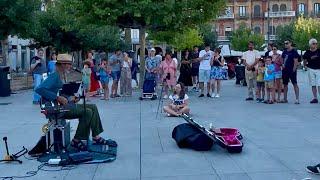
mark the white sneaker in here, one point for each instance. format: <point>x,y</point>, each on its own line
<point>165,97</point>
<point>213,95</point>
<point>217,96</point>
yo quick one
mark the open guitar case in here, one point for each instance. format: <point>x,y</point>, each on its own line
<point>195,136</point>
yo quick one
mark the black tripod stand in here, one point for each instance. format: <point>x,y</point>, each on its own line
<point>161,98</point>
<point>13,157</point>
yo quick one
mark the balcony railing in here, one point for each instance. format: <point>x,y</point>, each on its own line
<point>223,38</point>
<point>281,14</point>
<point>315,14</point>
<point>257,15</point>
<point>272,37</point>
<point>243,16</point>
<point>226,16</point>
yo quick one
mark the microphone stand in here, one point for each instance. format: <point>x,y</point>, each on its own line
<point>161,98</point>
<point>13,157</point>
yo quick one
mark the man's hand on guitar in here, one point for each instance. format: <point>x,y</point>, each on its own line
<point>75,99</point>
<point>62,100</point>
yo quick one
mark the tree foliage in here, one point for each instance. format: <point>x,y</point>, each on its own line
<point>284,33</point>
<point>240,38</point>
<point>187,39</point>
<point>15,16</point>
<point>209,36</point>
<point>150,14</point>
<point>59,29</point>
<point>304,30</point>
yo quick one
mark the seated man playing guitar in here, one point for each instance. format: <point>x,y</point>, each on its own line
<point>88,115</point>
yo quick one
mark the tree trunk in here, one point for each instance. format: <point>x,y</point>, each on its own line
<point>127,37</point>
<point>4,53</point>
<point>142,40</point>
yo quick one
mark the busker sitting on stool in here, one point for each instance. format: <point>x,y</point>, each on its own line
<point>88,116</point>
<point>179,104</point>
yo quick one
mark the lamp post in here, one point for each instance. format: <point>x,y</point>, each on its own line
<point>268,19</point>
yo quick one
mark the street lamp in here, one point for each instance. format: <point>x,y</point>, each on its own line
<point>268,21</point>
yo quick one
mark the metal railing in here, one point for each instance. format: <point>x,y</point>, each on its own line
<point>272,37</point>
<point>281,14</point>
<point>315,14</point>
<point>226,16</point>
<point>223,38</point>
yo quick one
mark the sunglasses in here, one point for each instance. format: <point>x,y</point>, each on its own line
<point>314,43</point>
<point>274,49</point>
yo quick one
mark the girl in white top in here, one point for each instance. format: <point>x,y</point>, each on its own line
<point>179,102</point>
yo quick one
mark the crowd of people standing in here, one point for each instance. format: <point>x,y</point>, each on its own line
<point>267,77</point>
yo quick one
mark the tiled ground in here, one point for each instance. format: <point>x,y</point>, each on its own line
<point>279,140</point>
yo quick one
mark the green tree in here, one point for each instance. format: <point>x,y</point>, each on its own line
<point>187,39</point>
<point>146,15</point>
<point>240,38</point>
<point>209,36</point>
<point>284,33</point>
<point>14,18</point>
<point>304,30</point>
<point>55,27</point>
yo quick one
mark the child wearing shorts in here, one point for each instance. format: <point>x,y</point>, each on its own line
<point>104,73</point>
<point>260,81</point>
<point>269,77</point>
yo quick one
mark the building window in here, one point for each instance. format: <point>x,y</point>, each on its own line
<point>301,8</point>
<point>228,31</point>
<point>256,11</point>
<point>275,8</point>
<point>272,30</point>
<point>316,8</point>
<point>257,30</point>
<point>283,7</point>
<point>242,11</point>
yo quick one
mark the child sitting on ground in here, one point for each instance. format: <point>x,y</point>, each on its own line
<point>179,102</point>
<point>104,73</point>
<point>260,81</point>
<point>269,77</point>
<point>86,73</point>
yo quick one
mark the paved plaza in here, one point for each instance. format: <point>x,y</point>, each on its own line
<point>280,140</point>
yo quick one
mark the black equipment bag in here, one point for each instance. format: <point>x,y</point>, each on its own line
<point>188,136</point>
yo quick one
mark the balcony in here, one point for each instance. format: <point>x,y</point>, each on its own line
<point>257,15</point>
<point>280,14</point>
<point>223,38</point>
<point>243,16</point>
<point>226,16</point>
<point>315,14</point>
<point>272,37</point>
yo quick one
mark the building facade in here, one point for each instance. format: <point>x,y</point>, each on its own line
<point>254,14</point>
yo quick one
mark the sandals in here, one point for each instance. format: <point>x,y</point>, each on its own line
<point>102,141</point>
<point>79,145</point>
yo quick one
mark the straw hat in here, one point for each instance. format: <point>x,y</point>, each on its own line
<point>64,59</point>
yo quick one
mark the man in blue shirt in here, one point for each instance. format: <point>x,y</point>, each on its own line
<point>290,57</point>
<point>89,118</point>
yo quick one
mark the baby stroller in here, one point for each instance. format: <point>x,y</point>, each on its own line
<point>149,89</point>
